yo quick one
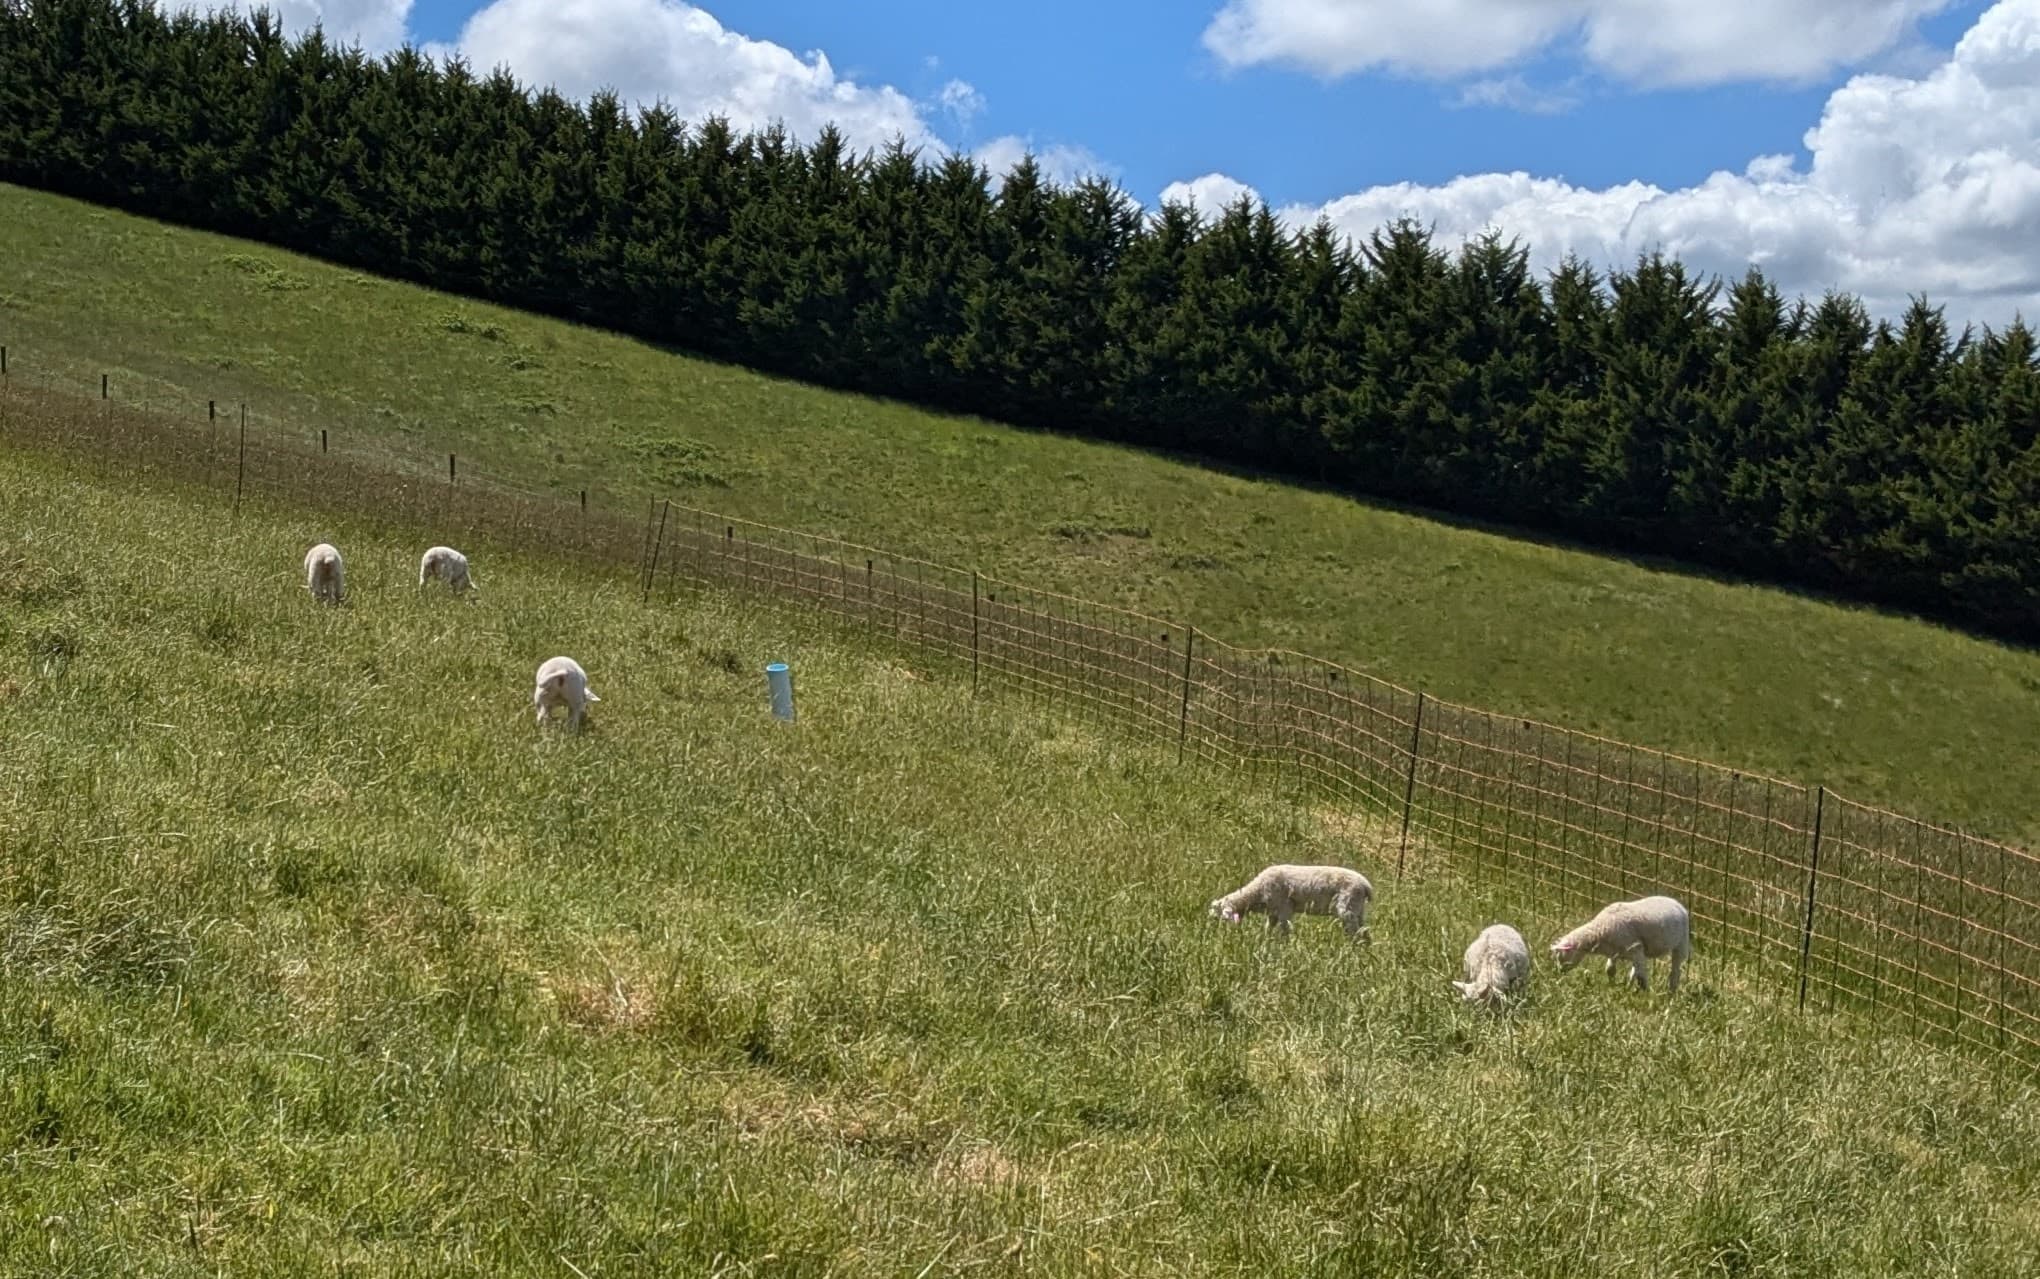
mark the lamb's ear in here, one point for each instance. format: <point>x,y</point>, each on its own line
<point>1462,986</point>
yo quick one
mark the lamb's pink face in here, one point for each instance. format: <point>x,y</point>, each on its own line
<point>1565,953</point>
<point>1219,910</point>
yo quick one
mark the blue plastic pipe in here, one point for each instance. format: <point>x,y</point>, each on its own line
<point>779,680</point>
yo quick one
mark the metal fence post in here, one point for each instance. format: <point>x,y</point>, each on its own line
<point>645,543</point>
<point>1812,883</point>
<point>2004,884</point>
<point>652,573</point>
<point>973,632</point>
<point>1409,794</point>
<point>241,464</point>
<point>1183,723</point>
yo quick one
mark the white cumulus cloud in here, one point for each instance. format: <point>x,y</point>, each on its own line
<point>1061,163</point>
<point>651,50</point>
<point>1658,42</point>
<point>961,100</point>
<point>1210,195</point>
<point>378,26</point>
<point>679,53</point>
<point>1915,184</point>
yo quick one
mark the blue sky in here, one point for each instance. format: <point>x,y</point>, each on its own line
<point>1130,81</point>
<point>1881,146</point>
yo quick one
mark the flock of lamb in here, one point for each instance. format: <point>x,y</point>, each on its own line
<point>1497,963</point>
<point>561,683</point>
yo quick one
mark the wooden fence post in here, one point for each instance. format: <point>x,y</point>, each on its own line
<point>1183,723</point>
<point>973,632</point>
<point>1812,883</point>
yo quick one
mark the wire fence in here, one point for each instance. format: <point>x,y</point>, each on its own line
<point>1824,902</point>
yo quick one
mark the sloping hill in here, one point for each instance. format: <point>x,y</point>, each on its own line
<point>316,958</point>
<point>1916,715</point>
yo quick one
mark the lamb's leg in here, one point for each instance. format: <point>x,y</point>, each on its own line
<point>1672,978</point>
<point>538,712</point>
<point>1352,911</point>
<point>1278,922</point>
<point>1639,967</point>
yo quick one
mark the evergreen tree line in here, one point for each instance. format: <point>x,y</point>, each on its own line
<point>1647,410</point>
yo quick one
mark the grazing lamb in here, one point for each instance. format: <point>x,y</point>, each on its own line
<point>1497,963</point>
<point>562,682</point>
<point>1638,931</point>
<point>448,566</point>
<point>1283,890</point>
<point>324,574</point>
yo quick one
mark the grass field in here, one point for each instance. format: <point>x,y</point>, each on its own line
<point>1886,709</point>
<point>315,957</point>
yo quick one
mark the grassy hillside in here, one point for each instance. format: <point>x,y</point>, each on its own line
<point>1885,708</point>
<point>316,958</point>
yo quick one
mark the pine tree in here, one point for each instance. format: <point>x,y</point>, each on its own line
<point>1800,440</point>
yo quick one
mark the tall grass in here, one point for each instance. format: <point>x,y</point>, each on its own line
<point>1913,716</point>
<point>315,957</point>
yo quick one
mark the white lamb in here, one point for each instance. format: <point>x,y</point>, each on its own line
<point>1283,890</point>
<point>1497,964</point>
<point>1638,931</point>
<point>447,565</point>
<point>324,574</point>
<point>562,682</point>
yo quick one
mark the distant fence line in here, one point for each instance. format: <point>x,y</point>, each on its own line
<point>1825,901</point>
